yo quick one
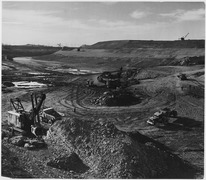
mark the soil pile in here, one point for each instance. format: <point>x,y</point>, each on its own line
<point>111,153</point>
<point>116,99</point>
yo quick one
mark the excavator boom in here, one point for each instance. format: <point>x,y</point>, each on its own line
<point>36,106</point>
<point>186,35</point>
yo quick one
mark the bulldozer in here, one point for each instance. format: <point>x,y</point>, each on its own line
<point>162,116</point>
<point>26,122</point>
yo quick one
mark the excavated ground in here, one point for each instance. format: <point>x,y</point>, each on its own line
<point>180,144</point>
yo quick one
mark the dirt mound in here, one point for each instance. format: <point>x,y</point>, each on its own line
<point>148,44</point>
<point>110,153</point>
<point>116,98</point>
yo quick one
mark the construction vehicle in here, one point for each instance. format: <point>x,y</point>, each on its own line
<point>26,122</point>
<point>49,115</point>
<point>90,83</point>
<point>118,79</point>
<point>182,77</point>
<point>162,116</point>
<point>113,83</point>
<point>183,37</point>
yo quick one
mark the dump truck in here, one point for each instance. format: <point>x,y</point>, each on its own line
<point>162,116</point>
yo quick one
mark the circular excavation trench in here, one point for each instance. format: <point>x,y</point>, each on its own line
<point>117,98</point>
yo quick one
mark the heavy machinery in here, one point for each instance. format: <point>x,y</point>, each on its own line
<point>162,116</point>
<point>182,77</point>
<point>26,122</point>
<point>49,115</point>
<point>118,79</point>
<point>183,37</point>
<point>90,83</point>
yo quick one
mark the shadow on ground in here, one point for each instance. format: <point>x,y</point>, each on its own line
<point>178,168</point>
<point>182,123</point>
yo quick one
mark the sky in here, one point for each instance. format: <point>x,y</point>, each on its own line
<point>78,23</point>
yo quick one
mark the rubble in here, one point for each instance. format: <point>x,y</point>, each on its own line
<point>111,153</point>
<point>116,98</point>
<point>12,166</point>
<point>188,61</point>
<point>17,140</point>
<point>26,142</point>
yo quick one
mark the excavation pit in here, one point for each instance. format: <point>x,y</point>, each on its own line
<point>126,100</point>
<point>117,98</point>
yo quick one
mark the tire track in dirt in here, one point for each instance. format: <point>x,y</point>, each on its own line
<point>78,96</point>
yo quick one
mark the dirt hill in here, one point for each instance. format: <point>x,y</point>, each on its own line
<point>148,44</point>
<point>115,54</point>
<point>11,51</point>
<point>110,153</point>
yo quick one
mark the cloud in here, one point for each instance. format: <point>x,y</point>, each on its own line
<point>138,14</point>
<point>113,24</point>
<point>39,19</point>
<point>183,15</point>
<point>12,23</point>
<point>109,2</point>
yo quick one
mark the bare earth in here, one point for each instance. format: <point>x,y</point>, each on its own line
<point>159,87</point>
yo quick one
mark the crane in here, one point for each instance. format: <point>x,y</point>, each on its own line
<point>183,37</point>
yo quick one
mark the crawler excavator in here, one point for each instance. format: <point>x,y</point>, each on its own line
<point>26,122</point>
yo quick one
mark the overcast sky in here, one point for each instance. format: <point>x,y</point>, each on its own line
<point>77,23</point>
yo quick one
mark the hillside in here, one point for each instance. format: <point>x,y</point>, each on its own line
<point>148,44</point>
<point>12,51</point>
<point>131,54</point>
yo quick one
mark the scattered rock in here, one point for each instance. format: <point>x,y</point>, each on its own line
<point>17,140</point>
<point>37,143</point>
<point>11,166</point>
<point>29,146</point>
<point>5,133</point>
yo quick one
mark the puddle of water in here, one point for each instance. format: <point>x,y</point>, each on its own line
<point>27,85</point>
<point>54,67</point>
<point>38,73</point>
<point>22,58</point>
<point>75,71</point>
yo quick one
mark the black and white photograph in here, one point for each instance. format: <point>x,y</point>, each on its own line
<point>102,89</point>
